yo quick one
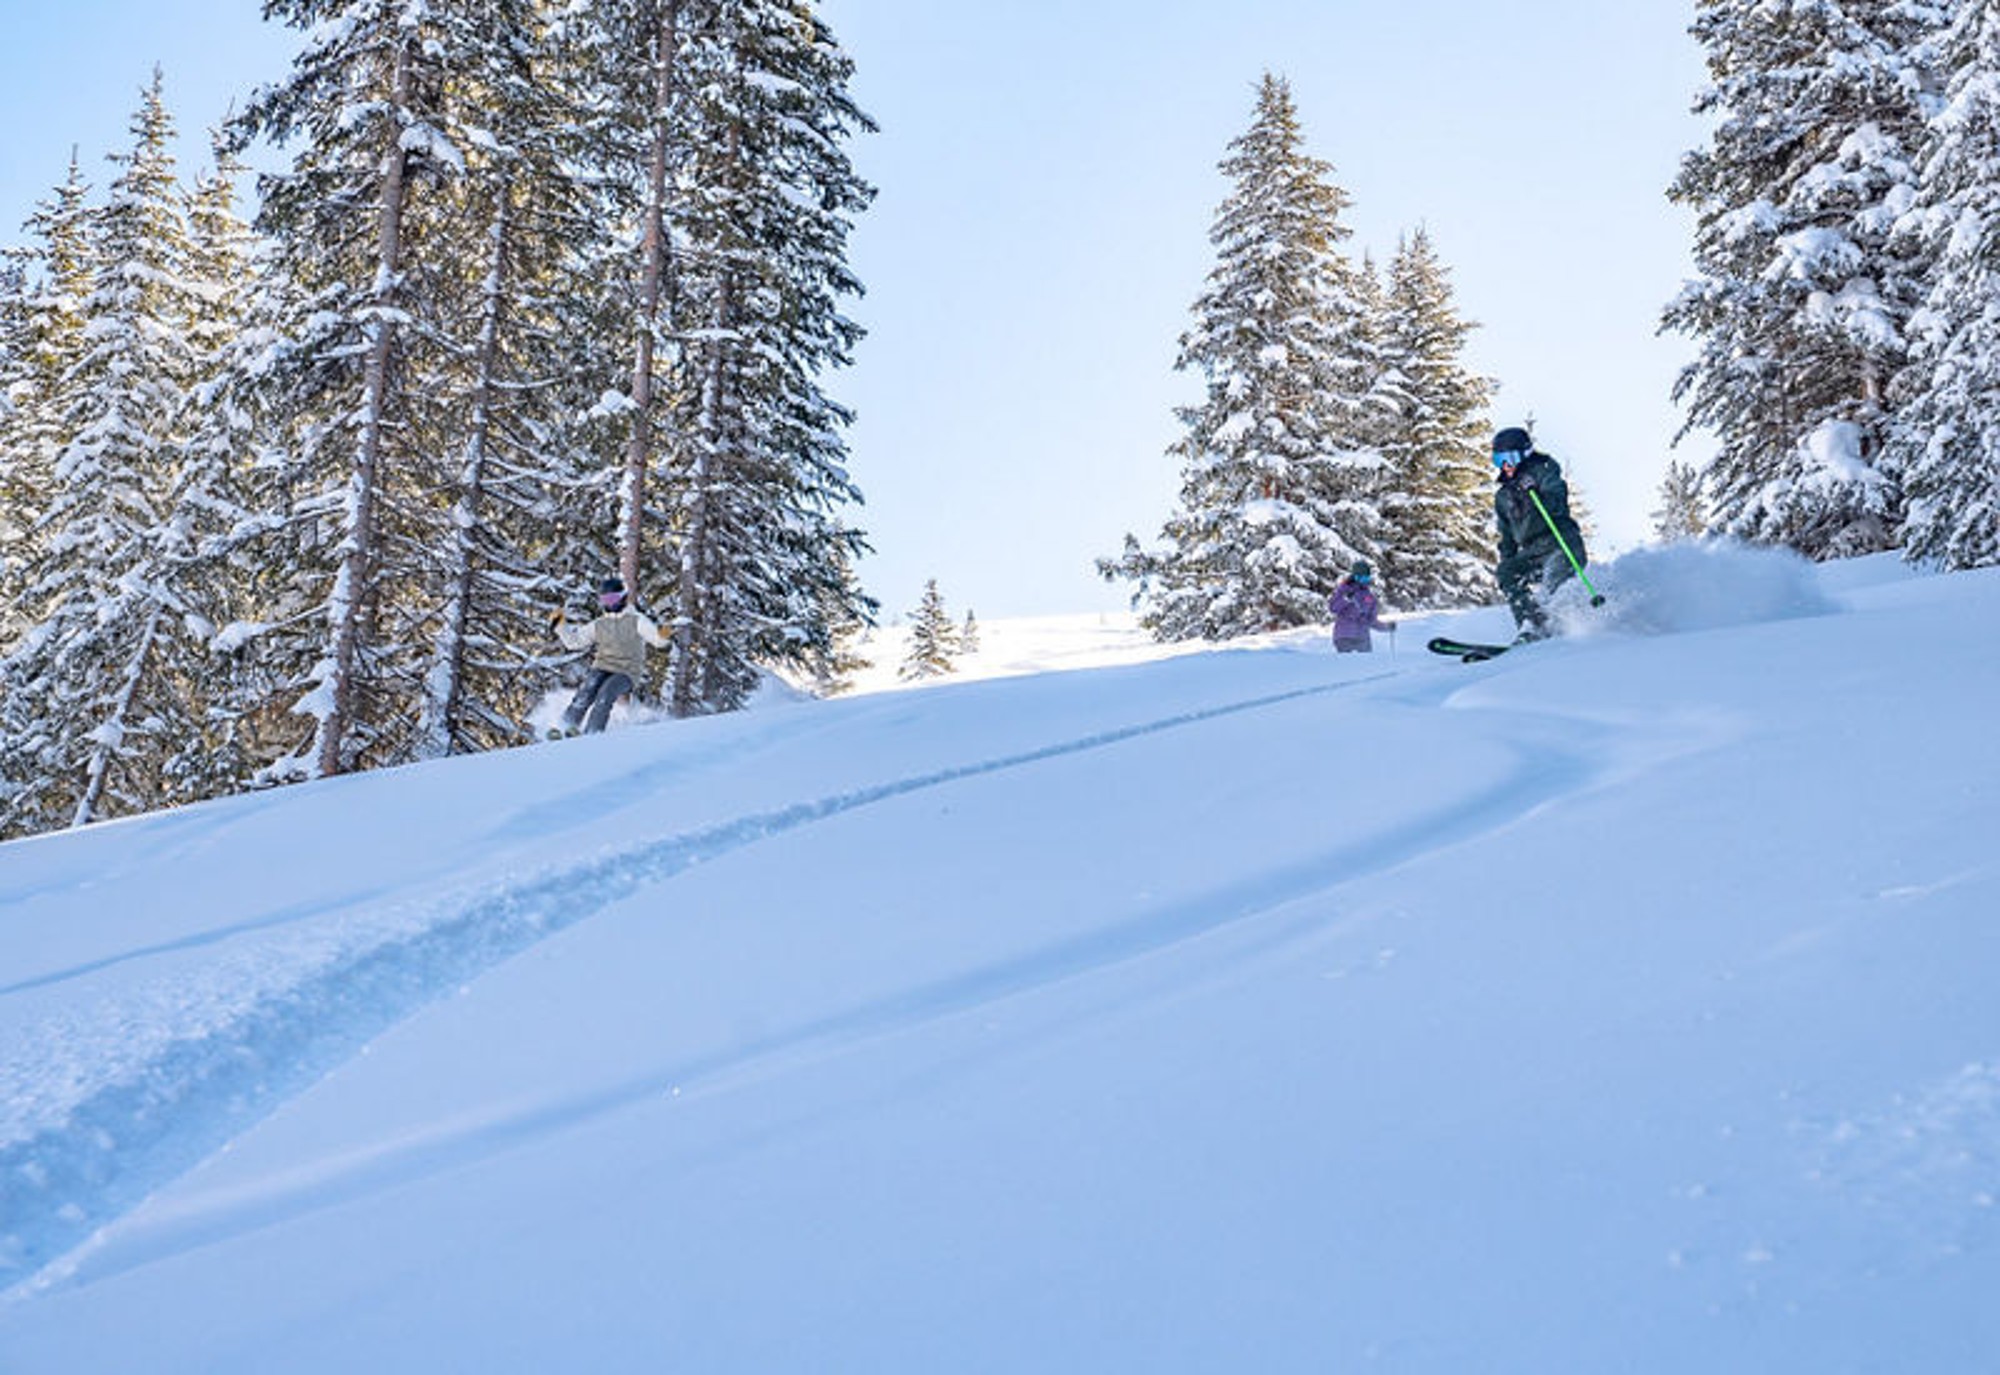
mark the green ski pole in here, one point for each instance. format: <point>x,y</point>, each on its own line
<point>1596,597</point>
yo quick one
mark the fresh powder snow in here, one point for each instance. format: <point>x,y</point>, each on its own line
<point>1626,1002</point>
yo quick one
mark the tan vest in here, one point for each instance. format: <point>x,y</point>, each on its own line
<point>619,647</point>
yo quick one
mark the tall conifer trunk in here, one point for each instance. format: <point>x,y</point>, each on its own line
<point>687,686</point>
<point>446,691</point>
<point>347,614</point>
<point>111,732</point>
<point>653,275</point>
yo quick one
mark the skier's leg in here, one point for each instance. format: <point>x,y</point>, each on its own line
<point>1517,576</point>
<point>1553,571</point>
<point>615,685</point>
<point>579,704</point>
<point>1556,571</point>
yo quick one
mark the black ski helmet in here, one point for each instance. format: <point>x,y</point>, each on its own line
<point>1361,572</point>
<point>1512,440</point>
<point>611,592</point>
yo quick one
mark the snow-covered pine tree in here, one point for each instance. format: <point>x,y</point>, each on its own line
<point>362,104</point>
<point>43,319</point>
<point>1280,487</point>
<point>1580,508</point>
<point>45,326</point>
<point>933,641</point>
<point>18,391</point>
<point>759,465</point>
<point>849,613</point>
<point>220,517</point>
<point>383,237</point>
<point>1804,287</point>
<point>13,365</point>
<point>1948,435</point>
<point>631,68</point>
<point>530,355</point>
<point>630,65</point>
<point>1438,551</point>
<point>105,662</point>
<point>968,634</point>
<point>1679,515</point>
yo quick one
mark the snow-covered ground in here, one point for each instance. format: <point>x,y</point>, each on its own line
<point>1629,1002</point>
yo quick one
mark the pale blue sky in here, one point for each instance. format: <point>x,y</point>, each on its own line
<point>1047,177</point>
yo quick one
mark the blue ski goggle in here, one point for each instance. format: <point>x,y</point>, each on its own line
<point>1503,457</point>
<point>1364,578</point>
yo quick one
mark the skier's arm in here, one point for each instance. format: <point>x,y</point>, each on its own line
<point>575,636</point>
<point>650,632</point>
<point>1555,493</point>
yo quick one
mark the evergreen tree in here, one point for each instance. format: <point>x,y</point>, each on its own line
<point>1280,487</point>
<point>45,333</point>
<point>1679,516</point>
<point>362,101</point>
<point>13,319</point>
<point>19,395</point>
<point>634,71</point>
<point>111,701</point>
<point>849,613</point>
<point>933,642</point>
<point>1438,550</point>
<point>530,348</point>
<point>1580,509</point>
<point>43,323</point>
<point>216,543</point>
<point>759,475</point>
<point>968,634</point>
<point>1804,287</point>
<point>1947,443</point>
<point>400,401</point>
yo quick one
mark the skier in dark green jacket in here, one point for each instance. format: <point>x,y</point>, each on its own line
<point>1532,562</point>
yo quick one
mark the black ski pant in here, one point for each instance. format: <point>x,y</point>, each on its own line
<point>593,701</point>
<point>1526,577</point>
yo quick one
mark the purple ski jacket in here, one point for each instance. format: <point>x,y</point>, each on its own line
<point>1355,613</point>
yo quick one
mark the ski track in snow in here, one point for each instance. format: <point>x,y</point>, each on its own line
<point>218,935</point>
<point>232,1055</point>
<point>1237,904</point>
<point>287,1023</point>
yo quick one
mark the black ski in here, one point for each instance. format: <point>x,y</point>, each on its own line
<point>1469,652</point>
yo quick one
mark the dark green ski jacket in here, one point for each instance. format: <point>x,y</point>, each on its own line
<point>1522,529</point>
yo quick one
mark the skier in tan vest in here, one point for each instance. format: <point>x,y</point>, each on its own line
<point>618,640</point>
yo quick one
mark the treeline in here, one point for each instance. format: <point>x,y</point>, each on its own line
<point>1848,256</point>
<point>1338,421</point>
<point>544,291</point>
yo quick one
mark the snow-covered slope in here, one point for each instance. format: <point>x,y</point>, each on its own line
<point>1627,1002</point>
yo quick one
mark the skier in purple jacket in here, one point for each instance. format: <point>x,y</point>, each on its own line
<point>1356,612</point>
